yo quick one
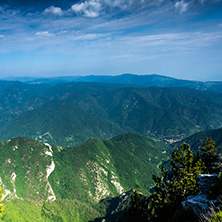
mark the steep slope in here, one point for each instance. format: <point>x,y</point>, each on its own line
<point>95,170</point>
<point>197,139</point>
<point>5,84</point>
<point>78,111</point>
<point>98,169</point>
<point>74,180</point>
<point>25,166</point>
<point>60,123</point>
<point>17,97</point>
<point>163,112</point>
<point>21,97</point>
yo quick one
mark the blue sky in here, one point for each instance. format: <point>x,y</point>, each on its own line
<point>178,38</point>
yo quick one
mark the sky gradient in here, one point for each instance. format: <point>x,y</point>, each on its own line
<point>177,38</point>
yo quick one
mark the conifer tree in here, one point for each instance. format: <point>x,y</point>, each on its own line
<point>185,168</point>
<point>173,188</point>
<point>137,210</point>
<point>209,154</point>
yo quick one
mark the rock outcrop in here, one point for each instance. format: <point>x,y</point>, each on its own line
<point>200,204</point>
<point>205,181</point>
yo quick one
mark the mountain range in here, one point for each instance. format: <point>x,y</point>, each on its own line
<point>73,147</point>
<point>67,114</point>
<point>86,183</point>
<point>130,79</point>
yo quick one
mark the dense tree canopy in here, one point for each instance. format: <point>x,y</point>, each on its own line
<point>209,154</point>
<point>173,188</point>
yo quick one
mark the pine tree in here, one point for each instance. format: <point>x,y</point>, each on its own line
<point>209,154</point>
<point>173,188</point>
<point>185,169</point>
<point>137,210</point>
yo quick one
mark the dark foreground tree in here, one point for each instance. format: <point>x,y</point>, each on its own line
<point>137,210</point>
<point>209,154</point>
<point>173,188</point>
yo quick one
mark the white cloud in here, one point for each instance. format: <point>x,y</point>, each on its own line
<point>2,36</point>
<point>132,4</point>
<point>90,8</point>
<point>181,6</point>
<point>43,34</point>
<point>94,8</point>
<point>123,4</point>
<point>78,7</point>
<point>89,36</point>
<point>53,11</point>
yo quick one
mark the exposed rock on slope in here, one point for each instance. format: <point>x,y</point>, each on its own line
<point>200,204</point>
<point>90,172</point>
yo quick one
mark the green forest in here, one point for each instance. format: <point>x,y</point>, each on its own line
<point>95,151</point>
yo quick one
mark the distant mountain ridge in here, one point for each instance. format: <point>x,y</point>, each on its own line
<point>67,114</point>
<point>131,79</point>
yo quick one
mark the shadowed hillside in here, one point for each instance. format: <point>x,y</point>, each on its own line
<point>69,113</point>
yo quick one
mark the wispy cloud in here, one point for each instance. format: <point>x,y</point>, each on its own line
<point>95,8</point>
<point>62,33</point>
<point>181,6</point>
<point>52,10</point>
<point>110,32</point>
<point>90,8</point>
<point>88,36</point>
<point>44,34</point>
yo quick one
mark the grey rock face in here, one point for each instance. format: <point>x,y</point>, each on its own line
<point>205,181</point>
<point>202,207</point>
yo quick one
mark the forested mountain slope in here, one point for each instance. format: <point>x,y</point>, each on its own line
<point>197,139</point>
<point>69,113</point>
<point>32,172</point>
<point>94,170</point>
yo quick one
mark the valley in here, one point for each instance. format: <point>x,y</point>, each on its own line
<point>67,114</point>
<point>71,146</point>
<point>110,111</point>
